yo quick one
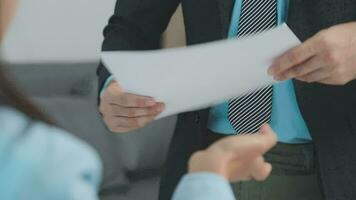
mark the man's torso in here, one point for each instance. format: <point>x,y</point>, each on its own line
<point>329,111</point>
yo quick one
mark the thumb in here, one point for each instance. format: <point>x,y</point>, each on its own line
<point>254,145</point>
<point>268,136</point>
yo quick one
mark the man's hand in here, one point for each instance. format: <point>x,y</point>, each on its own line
<point>329,57</point>
<point>124,112</point>
<point>237,158</point>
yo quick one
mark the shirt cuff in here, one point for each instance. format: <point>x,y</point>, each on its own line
<point>203,186</point>
<point>106,84</point>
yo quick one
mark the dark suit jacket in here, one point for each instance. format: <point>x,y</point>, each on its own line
<point>329,111</point>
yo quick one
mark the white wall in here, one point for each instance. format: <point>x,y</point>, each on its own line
<point>57,31</point>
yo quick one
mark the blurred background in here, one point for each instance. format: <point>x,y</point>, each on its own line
<point>53,48</point>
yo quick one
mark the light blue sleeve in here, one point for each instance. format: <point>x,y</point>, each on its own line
<point>203,186</point>
<point>41,162</point>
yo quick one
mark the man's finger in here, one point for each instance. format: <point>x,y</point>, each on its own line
<point>262,171</point>
<point>293,57</point>
<point>118,129</point>
<point>137,122</point>
<point>119,111</point>
<point>269,136</point>
<point>253,145</point>
<point>132,100</point>
<point>113,127</point>
<point>305,68</point>
<point>331,81</point>
<point>316,76</point>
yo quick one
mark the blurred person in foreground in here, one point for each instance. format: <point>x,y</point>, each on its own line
<point>37,160</point>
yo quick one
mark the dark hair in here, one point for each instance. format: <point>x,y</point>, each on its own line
<point>11,96</point>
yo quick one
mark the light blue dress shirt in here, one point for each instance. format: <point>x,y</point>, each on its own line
<point>41,162</point>
<point>286,119</point>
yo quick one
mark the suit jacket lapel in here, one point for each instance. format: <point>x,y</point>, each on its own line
<point>225,10</point>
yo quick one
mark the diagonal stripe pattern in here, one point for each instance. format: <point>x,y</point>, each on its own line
<point>248,112</point>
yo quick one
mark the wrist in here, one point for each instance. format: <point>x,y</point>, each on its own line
<point>109,81</point>
<point>202,162</point>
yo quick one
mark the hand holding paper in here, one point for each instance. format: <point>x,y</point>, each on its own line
<point>125,112</point>
<point>328,58</point>
<point>200,76</point>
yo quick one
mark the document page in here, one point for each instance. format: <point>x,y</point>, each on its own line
<point>200,76</point>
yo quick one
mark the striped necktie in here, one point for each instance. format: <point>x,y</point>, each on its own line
<point>248,112</point>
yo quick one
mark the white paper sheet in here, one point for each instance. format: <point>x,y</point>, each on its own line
<point>200,76</point>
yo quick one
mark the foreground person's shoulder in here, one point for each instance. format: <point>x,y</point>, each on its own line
<point>44,161</point>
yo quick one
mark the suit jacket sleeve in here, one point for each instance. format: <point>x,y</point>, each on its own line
<point>136,25</point>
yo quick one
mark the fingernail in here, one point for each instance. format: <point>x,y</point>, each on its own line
<point>160,108</point>
<point>150,103</point>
